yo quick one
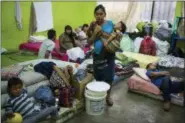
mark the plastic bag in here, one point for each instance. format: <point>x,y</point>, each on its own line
<point>75,53</point>
<point>126,43</point>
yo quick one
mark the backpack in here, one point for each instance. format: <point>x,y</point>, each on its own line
<point>148,46</point>
<point>44,95</point>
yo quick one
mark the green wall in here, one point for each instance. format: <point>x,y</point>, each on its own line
<point>72,13</point>
<point>178,13</point>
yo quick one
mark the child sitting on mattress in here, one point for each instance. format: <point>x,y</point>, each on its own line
<point>19,102</point>
<point>162,80</point>
<point>48,46</point>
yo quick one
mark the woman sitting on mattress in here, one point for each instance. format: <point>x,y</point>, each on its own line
<point>162,80</point>
<point>68,39</point>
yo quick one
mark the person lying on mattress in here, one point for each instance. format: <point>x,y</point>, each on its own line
<point>48,46</point>
<point>68,39</point>
<point>162,80</point>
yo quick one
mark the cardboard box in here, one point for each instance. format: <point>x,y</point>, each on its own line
<point>80,86</point>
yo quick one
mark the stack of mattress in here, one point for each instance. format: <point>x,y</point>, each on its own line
<point>32,81</point>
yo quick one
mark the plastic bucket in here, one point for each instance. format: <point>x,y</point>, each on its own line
<point>95,94</point>
<point>94,105</point>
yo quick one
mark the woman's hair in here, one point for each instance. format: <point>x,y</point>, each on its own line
<point>13,82</point>
<point>123,27</point>
<point>100,7</point>
<point>51,34</point>
<point>72,35</point>
<point>67,27</point>
<point>85,25</point>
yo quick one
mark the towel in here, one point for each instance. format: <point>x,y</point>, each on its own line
<point>18,15</point>
<point>41,17</point>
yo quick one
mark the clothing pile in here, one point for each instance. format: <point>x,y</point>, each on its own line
<point>126,64</point>
<point>171,61</point>
<point>59,81</point>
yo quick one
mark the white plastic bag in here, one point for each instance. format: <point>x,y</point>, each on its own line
<point>162,46</point>
<point>75,53</point>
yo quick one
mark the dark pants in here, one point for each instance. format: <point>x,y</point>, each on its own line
<point>168,87</point>
<point>104,66</point>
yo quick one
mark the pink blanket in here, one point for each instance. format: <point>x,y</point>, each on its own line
<point>137,83</point>
<point>34,47</point>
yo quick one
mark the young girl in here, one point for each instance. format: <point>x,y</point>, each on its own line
<point>19,102</point>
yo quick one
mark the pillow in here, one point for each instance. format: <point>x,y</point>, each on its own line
<point>4,87</point>
<point>31,77</point>
<point>11,71</point>
<point>141,72</point>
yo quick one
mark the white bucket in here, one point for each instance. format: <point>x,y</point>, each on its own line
<point>95,94</point>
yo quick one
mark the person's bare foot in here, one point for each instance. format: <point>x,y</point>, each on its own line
<point>167,106</point>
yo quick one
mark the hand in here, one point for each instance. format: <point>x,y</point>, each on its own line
<point>10,115</point>
<point>166,73</point>
<point>97,29</point>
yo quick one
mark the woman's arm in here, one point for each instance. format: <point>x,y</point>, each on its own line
<point>61,40</point>
<point>92,33</point>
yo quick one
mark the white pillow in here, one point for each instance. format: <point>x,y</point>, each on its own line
<point>141,72</point>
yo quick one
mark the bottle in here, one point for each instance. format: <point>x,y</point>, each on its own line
<point>56,103</point>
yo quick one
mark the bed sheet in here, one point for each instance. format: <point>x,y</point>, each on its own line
<point>143,60</point>
<point>137,83</point>
<point>34,47</point>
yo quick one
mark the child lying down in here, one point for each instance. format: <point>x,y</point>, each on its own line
<point>162,80</point>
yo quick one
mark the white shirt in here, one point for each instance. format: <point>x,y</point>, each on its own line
<point>47,45</point>
<point>82,35</point>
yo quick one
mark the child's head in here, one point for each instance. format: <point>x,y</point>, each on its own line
<point>85,27</point>
<point>15,86</point>
<point>151,66</point>
<point>77,30</point>
<point>121,26</point>
<point>52,34</point>
<point>68,30</point>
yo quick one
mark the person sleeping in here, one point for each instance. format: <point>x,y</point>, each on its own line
<point>162,80</point>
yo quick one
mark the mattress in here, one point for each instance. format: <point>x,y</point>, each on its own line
<point>34,47</point>
<point>143,87</point>
<point>142,60</point>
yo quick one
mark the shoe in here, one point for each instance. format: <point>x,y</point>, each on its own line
<point>109,101</point>
<point>167,106</point>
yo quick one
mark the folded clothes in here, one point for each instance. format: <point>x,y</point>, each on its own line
<point>126,69</point>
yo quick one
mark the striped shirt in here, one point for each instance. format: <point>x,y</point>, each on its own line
<point>21,104</point>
